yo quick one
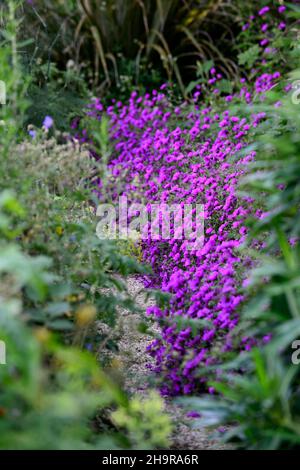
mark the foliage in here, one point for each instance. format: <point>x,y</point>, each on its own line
<point>261,405</point>
<point>58,283</point>
<point>61,94</point>
<point>16,84</point>
<point>191,153</point>
<point>229,310</point>
<point>48,314</point>
<point>146,416</point>
<point>134,43</point>
<point>250,56</point>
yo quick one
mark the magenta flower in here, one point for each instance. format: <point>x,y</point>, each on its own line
<point>48,122</point>
<point>264,42</point>
<point>199,159</point>
<point>32,133</point>
<point>281,9</point>
<point>263,11</point>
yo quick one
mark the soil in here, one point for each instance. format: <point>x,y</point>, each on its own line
<point>140,380</point>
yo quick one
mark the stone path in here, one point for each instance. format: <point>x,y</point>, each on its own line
<point>132,345</point>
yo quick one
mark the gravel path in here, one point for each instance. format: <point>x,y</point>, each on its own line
<point>132,347</point>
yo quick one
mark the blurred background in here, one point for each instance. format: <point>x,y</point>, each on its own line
<point>111,48</point>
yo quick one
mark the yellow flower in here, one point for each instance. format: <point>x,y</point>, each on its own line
<point>72,298</point>
<point>85,315</point>
<point>116,364</point>
<point>42,334</point>
<point>59,230</point>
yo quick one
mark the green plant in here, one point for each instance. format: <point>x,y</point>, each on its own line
<point>60,93</point>
<point>259,390</point>
<point>57,282</point>
<point>51,392</point>
<point>16,83</point>
<point>145,415</point>
<point>258,407</point>
<point>124,43</point>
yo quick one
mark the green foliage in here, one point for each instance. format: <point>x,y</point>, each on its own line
<point>250,56</point>
<point>41,298</point>
<point>60,94</point>
<point>259,390</point>
<point>129,44</point>
<point>147,416</point>
<point>16,84</point>
<point>57,282</point>
<point>279,49</point>
<point>259,407</point>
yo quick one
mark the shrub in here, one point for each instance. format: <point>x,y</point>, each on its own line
<point>57,280</point>
<point>132,43</point>
<point>192,154</point>
<point>261,404</point>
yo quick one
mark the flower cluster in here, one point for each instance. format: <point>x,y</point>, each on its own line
<point>190,154</point>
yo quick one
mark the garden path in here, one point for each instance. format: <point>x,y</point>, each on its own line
<point>139,379</point>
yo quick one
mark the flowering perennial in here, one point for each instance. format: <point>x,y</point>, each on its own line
<point>191,154</point>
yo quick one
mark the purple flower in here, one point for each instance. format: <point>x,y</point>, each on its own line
<point>264,42</point>
<point>193,414</point>
<point>293,241</point>
<point>267,338</point>
<point>263,11</point>
<point>189,163</point>
<point>32,133</point>
<point>221,429</point>
<point>48,122</point>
